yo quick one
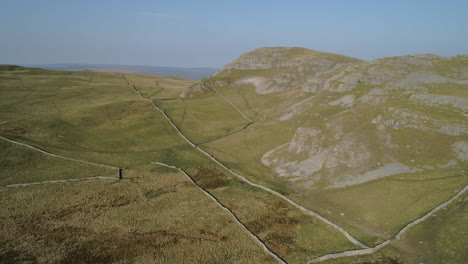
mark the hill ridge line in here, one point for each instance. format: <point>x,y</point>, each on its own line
<point>236,219</point>
<point>310,212</point>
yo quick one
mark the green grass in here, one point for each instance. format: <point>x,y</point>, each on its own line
<point>442,238</point>
<point>89,115</point>
<point>449,89</point>
<point>372,211</point>
<point>387,255</point>
<point>257,107</point>
<point>203,118</point>
<point>152,215</point>
<point>385,206</point>
<point>156,87</point>
<point>19,164</point>
<point>450,66</point>
<point>252,143</point>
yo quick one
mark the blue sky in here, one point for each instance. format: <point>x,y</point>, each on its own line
<point>213,33</point>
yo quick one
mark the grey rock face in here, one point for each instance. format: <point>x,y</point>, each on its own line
<point>432,99</point>
<point>461,148</point>
<point>357,121</point>
<point>266,58</point>
<point>259,59</point>
<point>200,87</point>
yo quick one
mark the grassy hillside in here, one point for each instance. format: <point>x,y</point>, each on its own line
<point>89,116</point>
<point>98,117</point>
<point>22,165</point>
<point>370,146</point>
<point>150,217</point>
<point>180,72</point>
<point>203,118</point>
<point>157,87</point>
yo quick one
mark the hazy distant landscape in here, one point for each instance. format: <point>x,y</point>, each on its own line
<point>187,73</point>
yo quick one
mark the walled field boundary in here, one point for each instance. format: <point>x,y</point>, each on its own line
<point>58,181</point>
<point>65,158</point>
<point>358,252</point>
<point>310,212</point>
<point>236,219</point>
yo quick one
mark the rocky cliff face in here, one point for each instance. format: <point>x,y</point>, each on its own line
<point>265,58</point>
<point>201,87</point>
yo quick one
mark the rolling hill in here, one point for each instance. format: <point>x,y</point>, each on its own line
<point>286,155</point>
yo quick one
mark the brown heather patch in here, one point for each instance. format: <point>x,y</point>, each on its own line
<point>278,228</point>
<point>380,260</point>
<point>11,256</point>
<point>16,131</point>
<point>210,178</point>
<point>83,245</point>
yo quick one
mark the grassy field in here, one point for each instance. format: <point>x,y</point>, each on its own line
<point>203,118</point>
<point>440,239</point>
<point>87,115</point>
<point>292,234</point>
<point>256,106</point>
<point>156,87</point>
<point>386,205</point>
<point>149,217</point>
<point>23,165</point>
<point>153,215</point>
<point>372,211</point>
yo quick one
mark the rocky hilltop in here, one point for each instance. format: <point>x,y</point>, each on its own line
<point>354,120</point>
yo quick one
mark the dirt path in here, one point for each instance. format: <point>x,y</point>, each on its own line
<point>310,212</point>
<point>59,181</point>
<point>397,236</point>
<point>236,219</point>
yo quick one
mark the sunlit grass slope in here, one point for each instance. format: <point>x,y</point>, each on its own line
<point>88,115</point>
<point>204,118</point>
<point>422,137</point>
<point>152,216</point>
<point>23,165</point>
<point>157,87</point>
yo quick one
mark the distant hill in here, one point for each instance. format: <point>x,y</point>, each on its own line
<point>187,73</point>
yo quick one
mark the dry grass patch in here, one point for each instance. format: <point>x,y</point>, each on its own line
<point>147,217</point>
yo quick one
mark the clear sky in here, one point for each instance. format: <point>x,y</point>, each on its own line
<point>202,33</point>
